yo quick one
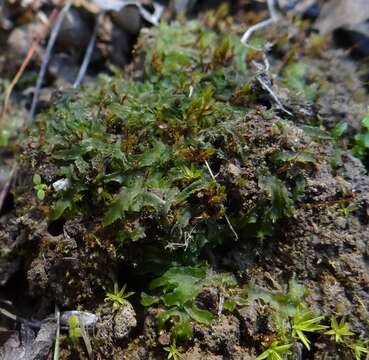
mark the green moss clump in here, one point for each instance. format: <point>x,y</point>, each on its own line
<point>175,161</point>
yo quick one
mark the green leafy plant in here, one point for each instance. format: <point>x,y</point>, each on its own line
<point>333,136</point>
<point>74,330</point>
<point>119,296</point>
<point>317,133</point>
<point>180,287</point>
<point>338,131</point>
<point>39,187</point>
<point>287,303</point>
<point>362,139</point>
<point>275,204</point>
<point>339,330</point>
<point>173,351</point>
<point>320,134</point>
<point>305,321</point>
<point>280,202</point>
<point>359,349</point>
<point>275,351</point>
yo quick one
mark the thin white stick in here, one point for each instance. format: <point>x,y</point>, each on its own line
<point>33,324</point>
<point>85,338</point>
<point>220,304</point>
<point>262,24</point>
<point>272,9</point>
<point>50,45</point>
<point>210,171</point>
<point>57,335</point>
<point>266,87</point>
<point>88,54</point>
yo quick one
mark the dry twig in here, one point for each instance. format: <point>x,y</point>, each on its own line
<point>25,63</point>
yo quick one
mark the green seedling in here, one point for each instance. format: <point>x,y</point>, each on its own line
<point>339,330</point>
<point>336,133</point>
<point>191,174</point>
<point>360,349</point>
<point>275,352</point>
<point>118,297</point>
<point>346,209</point>
<point>362,139</point>
<point>39,187</point>
<point>305,321</point>
<point>173,351</point>
<point>74,330</point>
